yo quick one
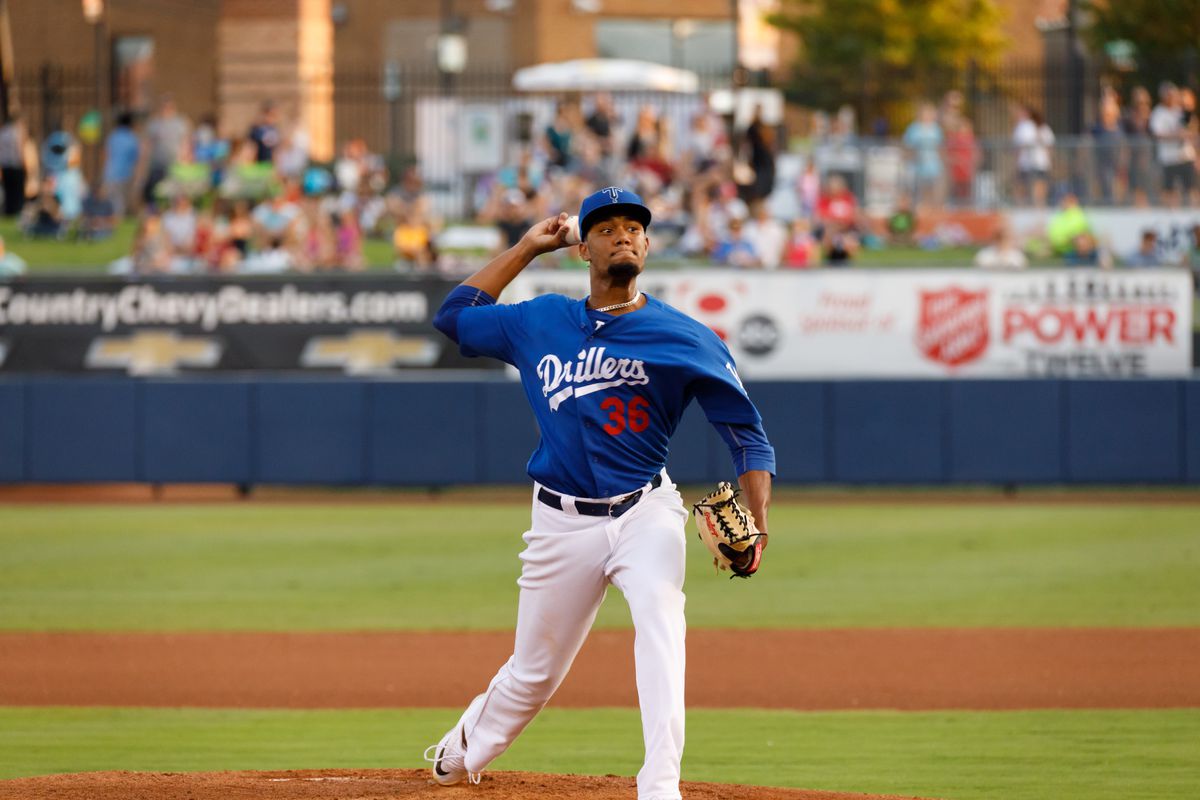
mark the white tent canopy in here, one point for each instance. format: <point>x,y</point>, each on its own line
<point>599,74</point>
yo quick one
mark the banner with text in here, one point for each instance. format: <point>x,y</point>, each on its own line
<point>350,325</point>
<point>930,323</point>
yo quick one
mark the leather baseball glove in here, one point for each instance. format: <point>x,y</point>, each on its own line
<point>728,531</point>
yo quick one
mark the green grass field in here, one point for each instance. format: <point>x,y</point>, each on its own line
<point>1016,755</point>
<point>408,566</point>
<point>48,255</point>
<point>348,567</point>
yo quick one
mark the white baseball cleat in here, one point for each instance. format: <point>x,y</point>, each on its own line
<point>449,758</point>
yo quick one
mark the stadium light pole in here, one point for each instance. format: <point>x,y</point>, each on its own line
<point>93,12</point>
<point>1074,77</point>
<point>738,77</point>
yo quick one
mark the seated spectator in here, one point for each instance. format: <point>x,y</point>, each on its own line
<point>409,201</point>
<point>271,260</point>
<point>808,188</point>
<point>735,249</point>
<point>56,152</point>
<point>559,133</point>
<point>276,218</point>
<point>100,215</point>
<point>206,244</point>
<point>839,245</point>
<point>801,251</point>
<point>44,219</point>
<point>70,188</point>
<point>185,176</point>
<point>767,235</point>
<point>902,224</point>
<point>1066,225</point>
<point>241,228</point>
<point>348,240</point>
<point>151,250</point>
<point>247,179</point>
<point>1002,253</point>
<point>837,207</point>
<point>412,242</point>
<point>179,226</point>
<point>1085,252</point>
<point>1147,254</point>
<point>10,263</point>
<point>510,211</point>
<point>318,240</point>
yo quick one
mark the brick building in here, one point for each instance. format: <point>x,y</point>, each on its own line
<point>226,56</point>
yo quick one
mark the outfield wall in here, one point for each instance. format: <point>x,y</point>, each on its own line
<point>304,431</point>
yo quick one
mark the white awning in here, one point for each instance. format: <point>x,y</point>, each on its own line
<point>604,74</point>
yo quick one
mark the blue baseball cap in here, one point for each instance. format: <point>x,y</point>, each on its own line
<point>611,202</point>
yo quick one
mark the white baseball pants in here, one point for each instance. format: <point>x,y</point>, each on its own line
<point>568,562</point>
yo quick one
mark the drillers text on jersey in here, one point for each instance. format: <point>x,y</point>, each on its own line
<point>590,368</point>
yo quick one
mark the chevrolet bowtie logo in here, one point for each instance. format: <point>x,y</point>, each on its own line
<point>152,352</point>
<point>365,351</point>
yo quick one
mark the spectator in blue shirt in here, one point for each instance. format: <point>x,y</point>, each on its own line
<point>265,133</point>
<point>924,138</point>
<point>122,149</point>
<point>55,151</point>
<point>1147,254</point>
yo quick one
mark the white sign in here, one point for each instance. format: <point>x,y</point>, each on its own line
<point>930,323</point>
<point>481,138</point>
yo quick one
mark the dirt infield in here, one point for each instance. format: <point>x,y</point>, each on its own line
<point>369,784</point>
<point>835,669</point>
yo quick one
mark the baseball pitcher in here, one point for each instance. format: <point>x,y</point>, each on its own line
<point>608,378</point>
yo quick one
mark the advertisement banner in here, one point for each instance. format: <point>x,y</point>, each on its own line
<point>931,323</point>
<point>347,324</point>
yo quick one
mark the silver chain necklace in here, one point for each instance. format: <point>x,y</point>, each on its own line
<point>636,297</point>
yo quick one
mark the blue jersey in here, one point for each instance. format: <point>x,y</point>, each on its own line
<point>609,391</point>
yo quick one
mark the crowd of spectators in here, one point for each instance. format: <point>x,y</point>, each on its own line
<point>259,204</point>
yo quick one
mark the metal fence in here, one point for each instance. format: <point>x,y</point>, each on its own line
<point>386,105</point>
<point>884,174</point>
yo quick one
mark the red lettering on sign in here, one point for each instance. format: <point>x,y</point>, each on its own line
<point>1124,325</point>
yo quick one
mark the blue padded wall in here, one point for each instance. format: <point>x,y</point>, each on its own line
<point>506,430</point>
<point>83,430</point>
<point>697,454</point>
<point>196,431</point>
<point>794,416</point>
<point>346,432</point>
<point>1124,431</point>
<point>1191,424</point>
<point>12,431</point>
<point>423,433</point>
<point>310,432</point>
<point>888,431</point>
<point>1006,431</point>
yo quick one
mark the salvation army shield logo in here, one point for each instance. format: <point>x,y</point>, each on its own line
<point>953,326</point>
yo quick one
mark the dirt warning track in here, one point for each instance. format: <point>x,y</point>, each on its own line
<point>811,670</point>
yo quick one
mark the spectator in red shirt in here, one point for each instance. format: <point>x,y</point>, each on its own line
<point>837,206</point>
<point>962,157</point>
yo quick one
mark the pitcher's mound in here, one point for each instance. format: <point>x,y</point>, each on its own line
<point>367,784</point>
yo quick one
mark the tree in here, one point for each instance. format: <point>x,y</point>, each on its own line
<point>882,56</point>
<point>1160,29</point>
